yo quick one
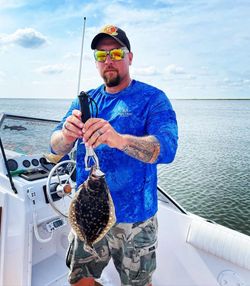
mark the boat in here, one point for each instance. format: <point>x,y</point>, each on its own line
<point>35,192</point>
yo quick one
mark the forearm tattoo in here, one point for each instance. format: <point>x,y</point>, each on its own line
<point>146,149</point>
<point>58,144</point>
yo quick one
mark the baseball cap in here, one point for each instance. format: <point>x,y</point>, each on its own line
<point>114,32</point>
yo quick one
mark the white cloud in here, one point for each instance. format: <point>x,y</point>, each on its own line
<point>76,56</point>
<point>51,69</point>
<point>71,56</point>
<point>132,16</point>
<point>233,83</point>
<point>144,71</point>
<point>174,70</point>
<point>7,4</point>
<point>26,38</point>
<point>246,82</point>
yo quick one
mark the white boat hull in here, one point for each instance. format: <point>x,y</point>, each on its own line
<point>191,251</point>
<point>182,259</point>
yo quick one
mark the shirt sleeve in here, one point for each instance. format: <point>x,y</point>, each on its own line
<point>162,124</point>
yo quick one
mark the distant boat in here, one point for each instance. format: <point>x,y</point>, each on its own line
<point>34,199</point>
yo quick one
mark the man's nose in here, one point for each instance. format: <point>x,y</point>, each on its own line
<point>108,59</point>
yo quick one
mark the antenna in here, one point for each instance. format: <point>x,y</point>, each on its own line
<point>80,65</point>
<point>73,151</point>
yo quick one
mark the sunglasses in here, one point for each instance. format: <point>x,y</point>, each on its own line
<point>115,54</point>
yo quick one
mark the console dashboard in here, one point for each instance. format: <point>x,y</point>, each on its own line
<point>24,143</point>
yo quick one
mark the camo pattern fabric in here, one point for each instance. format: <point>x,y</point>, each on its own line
<point>132,247</point>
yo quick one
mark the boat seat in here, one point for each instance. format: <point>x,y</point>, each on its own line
<point>220,241</point>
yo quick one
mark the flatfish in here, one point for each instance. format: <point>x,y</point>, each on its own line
<point>91,212</point>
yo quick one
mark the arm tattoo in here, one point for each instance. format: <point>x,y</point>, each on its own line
<point>58,144</point>
<point>146,149</point>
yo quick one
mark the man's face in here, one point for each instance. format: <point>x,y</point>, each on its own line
<point>113,72</point>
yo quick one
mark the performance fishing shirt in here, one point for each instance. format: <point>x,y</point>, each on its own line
<point>138,110</point>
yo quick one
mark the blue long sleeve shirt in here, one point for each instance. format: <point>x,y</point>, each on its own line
<point>138,110</point>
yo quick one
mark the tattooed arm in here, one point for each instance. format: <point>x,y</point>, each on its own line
<point>59,144</point>
<point>146,149</point>
<point>62,141</point>
<point>99,131</point>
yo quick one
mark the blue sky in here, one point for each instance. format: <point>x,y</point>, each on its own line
<point>188,48</point>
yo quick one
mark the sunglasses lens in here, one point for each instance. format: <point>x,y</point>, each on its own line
<point>100,56</point>
<point>117,54</point>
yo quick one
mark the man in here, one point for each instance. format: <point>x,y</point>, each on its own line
<point>134,131</point>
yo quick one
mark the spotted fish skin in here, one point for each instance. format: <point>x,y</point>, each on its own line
<point>91,212</point>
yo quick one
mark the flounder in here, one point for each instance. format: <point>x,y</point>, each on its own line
<point>91,212</point>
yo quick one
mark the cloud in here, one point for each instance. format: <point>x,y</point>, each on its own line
<point>26,38</point>
<point>144,71</point>
<point>11,4</point>
<point>246,82</point>
<point>76,56</point>
<point>174,70</point>
<point>51,69</point>
<point>233,82</point>
<point>71,56</point>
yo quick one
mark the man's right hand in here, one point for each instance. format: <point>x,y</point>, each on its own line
<point>72,127</point>
<point>62,141</point>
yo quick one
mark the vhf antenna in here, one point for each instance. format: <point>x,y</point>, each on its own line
<point>80,65</point>
<point>83,97</point>
<point>73,151</point>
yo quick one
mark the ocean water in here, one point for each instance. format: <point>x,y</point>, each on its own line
<point>210,176</point>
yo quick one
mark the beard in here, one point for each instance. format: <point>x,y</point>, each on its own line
<point>110,80</point>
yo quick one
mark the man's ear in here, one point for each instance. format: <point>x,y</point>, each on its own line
<point>130,56</point>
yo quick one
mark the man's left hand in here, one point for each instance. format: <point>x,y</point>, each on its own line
<point>98,131</point>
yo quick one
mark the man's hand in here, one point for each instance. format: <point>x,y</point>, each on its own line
<point>72,127</point>
<point>62,141</point>
<point>98,131</point>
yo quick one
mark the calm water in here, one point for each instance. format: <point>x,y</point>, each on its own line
<point>211,174</point>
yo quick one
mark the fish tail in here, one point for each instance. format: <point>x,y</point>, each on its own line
<point>91,250</point>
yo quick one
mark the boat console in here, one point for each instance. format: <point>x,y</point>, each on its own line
<point>33,233</point>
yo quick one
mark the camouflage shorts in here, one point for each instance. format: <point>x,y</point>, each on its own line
<point>132,247</point>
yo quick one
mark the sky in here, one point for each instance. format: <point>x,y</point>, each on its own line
<point>191,49</point>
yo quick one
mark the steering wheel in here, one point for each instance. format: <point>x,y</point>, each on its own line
<point>61,186</point>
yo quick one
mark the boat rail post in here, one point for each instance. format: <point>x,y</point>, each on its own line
<point>7,167</point>
<point>3,235</point>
